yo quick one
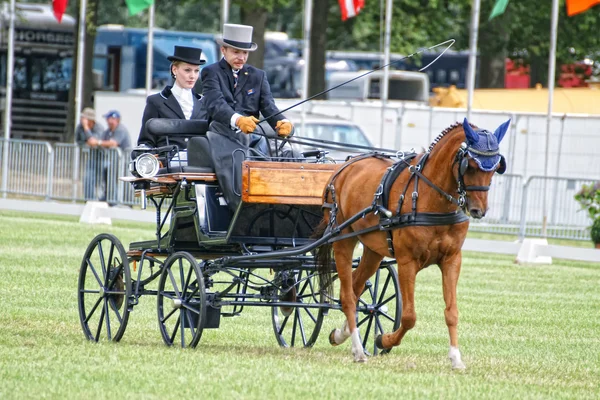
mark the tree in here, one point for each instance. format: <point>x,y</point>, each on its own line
<point>318,43</point>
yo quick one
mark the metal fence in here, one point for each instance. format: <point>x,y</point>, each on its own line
<point>533,206</point>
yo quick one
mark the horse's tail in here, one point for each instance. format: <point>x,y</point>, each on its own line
<point>323,258</point>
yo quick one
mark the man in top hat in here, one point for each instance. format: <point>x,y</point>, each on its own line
<point>235,93</point>
<point>178,101</point>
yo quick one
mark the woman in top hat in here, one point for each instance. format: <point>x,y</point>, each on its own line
<point>178,101</point>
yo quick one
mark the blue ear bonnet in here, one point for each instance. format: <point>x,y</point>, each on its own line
<point>483,146</point>
<point>486,152</point>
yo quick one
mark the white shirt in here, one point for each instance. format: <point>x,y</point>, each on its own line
<point>185,99</point>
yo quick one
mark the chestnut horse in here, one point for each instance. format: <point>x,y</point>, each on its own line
<point>429,227</point>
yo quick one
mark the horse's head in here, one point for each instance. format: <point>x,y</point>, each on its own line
<point>477,160</point>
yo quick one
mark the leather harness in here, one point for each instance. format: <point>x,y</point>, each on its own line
<point>389,221</point>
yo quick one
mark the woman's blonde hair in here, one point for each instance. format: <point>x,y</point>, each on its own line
<point>175,63</point>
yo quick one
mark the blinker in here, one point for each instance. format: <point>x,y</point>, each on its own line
<point>502,165</point>
<point>464,164</point>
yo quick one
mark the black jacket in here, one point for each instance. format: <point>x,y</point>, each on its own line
<point>251,96</point>
<point>165,105</point>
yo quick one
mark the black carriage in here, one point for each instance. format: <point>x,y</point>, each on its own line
<point>207,261</point>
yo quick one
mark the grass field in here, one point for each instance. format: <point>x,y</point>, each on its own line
<point>526,332</point>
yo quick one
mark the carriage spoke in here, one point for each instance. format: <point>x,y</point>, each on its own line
<point>108,331</point>
<point>181,276</point>
<point>116,310</point>
<point>189,319</point>
<point>187,280</point>
<point>97,337</point>
<point>384,289</point>
<point>294,327</point>
<point>172,278</point>
<point>285,320</point>
<point>366,332</point>
<point>91,266</point>
<point>392,297</point>
<point>182,328</point>
<point>87,318</point>
<point>301,326</point>
<point>102,264</point>
<point>176,328</point>
<point>166,317</point>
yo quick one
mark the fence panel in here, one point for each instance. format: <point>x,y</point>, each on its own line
<point>29,164</point>
<point>550,202</point>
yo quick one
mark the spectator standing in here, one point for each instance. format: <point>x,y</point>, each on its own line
<point>87,134</point>
<point>115,136</point>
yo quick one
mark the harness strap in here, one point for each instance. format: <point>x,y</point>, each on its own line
<point>406,220</point>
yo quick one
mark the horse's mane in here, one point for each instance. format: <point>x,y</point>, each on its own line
<point>444,133</point>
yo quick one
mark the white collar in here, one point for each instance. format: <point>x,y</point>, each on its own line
<point>181,92</point>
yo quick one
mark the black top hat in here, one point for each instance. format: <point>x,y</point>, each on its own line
<point>190,55</point>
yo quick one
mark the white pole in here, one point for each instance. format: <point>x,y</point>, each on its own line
<point>306,55</point>
<point>9,73</point>
<point>10,61</point>
<point>384,84</point>
<point>150,49</point>
<point>472,55</point>
<point>80,50</point>
<point>224,11</point>
<point>551,71</point>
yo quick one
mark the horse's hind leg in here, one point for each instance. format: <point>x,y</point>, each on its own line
<point>450,268</point>
<point>369,263</point>
<point>343,251</point>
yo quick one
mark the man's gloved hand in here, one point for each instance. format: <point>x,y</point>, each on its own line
<point>284,128</point>
<point>246,124</point>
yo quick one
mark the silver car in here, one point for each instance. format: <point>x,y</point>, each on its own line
<point>340,137</point>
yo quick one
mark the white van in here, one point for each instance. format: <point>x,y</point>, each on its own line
<point>403,85</point>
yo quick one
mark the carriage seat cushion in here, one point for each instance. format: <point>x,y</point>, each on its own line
<point>176,127</point>
<point>199,154</point>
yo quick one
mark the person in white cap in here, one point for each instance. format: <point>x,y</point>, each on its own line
<point>235,93</point>
<point>87,134</point>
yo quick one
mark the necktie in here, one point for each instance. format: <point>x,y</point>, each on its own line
<point>235,77</point>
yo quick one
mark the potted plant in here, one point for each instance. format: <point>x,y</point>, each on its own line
<point>589,199</point>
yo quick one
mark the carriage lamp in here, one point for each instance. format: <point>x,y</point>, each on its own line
<point>145,166</point>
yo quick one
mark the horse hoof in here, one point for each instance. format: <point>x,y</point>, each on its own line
<point>379,342</point>
<point>458,365</point>
<point>332,338</point>
<point>360,358</point>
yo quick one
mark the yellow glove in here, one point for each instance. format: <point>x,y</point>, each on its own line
<point>246,124</point>
<point>284,128</point>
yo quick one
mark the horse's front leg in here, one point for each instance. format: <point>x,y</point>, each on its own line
<point>407,273</point>
<point>450,268</point>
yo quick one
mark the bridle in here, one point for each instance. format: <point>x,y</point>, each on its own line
<point>462,159</point>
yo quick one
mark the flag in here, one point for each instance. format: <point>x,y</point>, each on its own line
<point>137,6</point>
<point>579,6</point>
<point>351,8</point>
<point>498,9</point>
<point>59,7</point>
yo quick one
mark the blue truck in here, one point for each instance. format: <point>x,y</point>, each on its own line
<point>120,55</point>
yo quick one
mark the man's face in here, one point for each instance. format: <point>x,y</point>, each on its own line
<point>90,122</point>
<point>234,57</point>
<point>112,123</point>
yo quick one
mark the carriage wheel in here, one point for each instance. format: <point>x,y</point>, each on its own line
<point>181,301</point>
<point>379,308</point>
<point>104,288</point>
<point>303,325</point>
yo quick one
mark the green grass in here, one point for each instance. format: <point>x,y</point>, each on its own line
<point>526,332</point>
